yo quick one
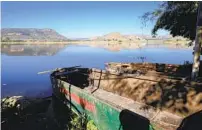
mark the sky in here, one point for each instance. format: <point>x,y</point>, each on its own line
<point>79,19</point>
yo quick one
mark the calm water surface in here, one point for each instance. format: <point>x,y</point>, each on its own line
<point>21,63</point>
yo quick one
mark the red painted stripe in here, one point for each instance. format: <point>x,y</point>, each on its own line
<point>81,101</point>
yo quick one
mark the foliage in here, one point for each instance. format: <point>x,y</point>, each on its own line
<point>19,112</point>
<point>7,39</point>
<point>79,122</point>
<point>178,17</point>
<point>91,125</point>
<point>68,119</point>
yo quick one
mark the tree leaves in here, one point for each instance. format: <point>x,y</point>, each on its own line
<point>178,17</point>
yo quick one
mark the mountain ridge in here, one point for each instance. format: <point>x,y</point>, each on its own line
<point>116,36</point>
<point>31,34</point>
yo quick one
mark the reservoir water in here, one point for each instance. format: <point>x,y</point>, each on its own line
<point>21,63</point>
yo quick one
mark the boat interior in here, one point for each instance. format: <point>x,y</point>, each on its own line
<point>166,87</point>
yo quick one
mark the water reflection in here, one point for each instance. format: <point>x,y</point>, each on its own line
<point>31,50</point>
<point>53,49</point>
<point>116,47</point>
<point>21,63</point>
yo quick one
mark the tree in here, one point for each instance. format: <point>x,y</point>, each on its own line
<point>178,17</point>
<point>6,39</point>
<point>198,40</point>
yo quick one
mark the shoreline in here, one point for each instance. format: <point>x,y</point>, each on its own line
<point>111,45</point>
<point>67,42</point>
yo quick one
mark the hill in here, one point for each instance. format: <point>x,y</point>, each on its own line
<point>31,34</point>
<point>116,36</point>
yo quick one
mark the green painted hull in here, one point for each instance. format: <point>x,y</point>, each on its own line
<point>105,115</point>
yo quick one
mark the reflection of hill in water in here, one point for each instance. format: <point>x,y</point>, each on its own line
<point>31,50</point>
<point>133,46</point>
<point>115,47</point>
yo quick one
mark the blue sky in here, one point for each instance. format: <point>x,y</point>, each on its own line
<point>79,19</point>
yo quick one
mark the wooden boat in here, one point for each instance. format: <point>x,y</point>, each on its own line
<point>137,96</point>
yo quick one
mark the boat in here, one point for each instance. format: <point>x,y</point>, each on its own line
<point>129,96</point>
